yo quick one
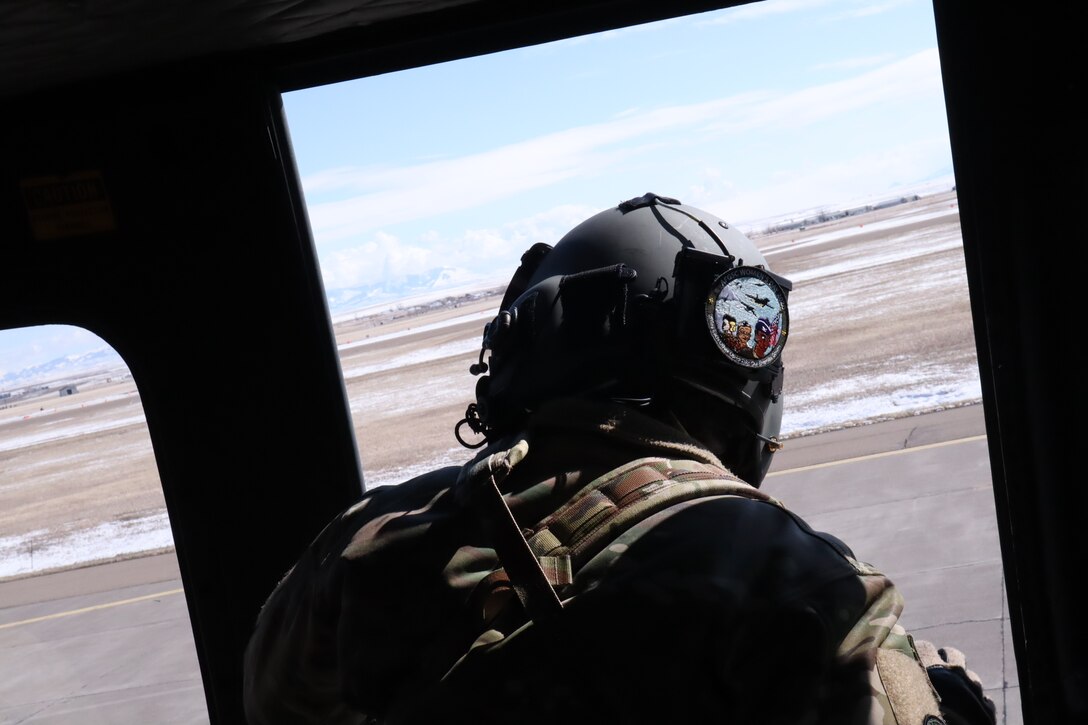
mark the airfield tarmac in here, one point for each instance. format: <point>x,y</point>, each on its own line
<point>873,485</point>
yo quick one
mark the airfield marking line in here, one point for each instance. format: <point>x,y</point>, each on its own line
<point>871,456</point>
<point>107,605</point>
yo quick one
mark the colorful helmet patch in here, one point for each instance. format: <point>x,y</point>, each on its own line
<point>747,318</point>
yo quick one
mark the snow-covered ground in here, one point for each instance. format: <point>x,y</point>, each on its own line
<point>906,386</point>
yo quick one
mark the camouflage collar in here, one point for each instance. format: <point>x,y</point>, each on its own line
<point>570,442</point>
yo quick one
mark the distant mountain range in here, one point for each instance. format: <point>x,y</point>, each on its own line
<point>430,284</point>
<point>69,368</point>
<point>409,290</point>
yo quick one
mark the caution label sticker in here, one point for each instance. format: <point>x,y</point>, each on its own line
<point>67,206</point>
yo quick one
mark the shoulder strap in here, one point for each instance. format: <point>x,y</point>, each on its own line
<point>620,499</point>
<point>538,561</point>
<point>522,568</point>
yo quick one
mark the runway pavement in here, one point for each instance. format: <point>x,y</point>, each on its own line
<point>112,644</point>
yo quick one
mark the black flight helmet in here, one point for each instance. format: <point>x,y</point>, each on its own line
<point>652,303</point>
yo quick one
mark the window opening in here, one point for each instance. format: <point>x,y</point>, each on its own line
<point>818,129</point>
<point>807,141</point>
<point>87,565</point>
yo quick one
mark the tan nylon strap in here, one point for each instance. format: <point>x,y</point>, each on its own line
<point>526,576</point>
<point>604,509</point>
<point>626,496</point>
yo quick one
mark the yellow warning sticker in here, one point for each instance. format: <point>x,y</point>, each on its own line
<point>67,206</point>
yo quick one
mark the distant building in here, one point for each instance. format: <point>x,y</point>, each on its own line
<point>68,390</point>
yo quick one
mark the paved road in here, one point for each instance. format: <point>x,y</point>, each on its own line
<point>112,644</point>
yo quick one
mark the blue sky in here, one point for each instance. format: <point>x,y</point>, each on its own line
<point>751,113</point>
<point>748,113</point>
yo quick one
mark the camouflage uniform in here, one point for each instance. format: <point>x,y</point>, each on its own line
<point>724,606</point>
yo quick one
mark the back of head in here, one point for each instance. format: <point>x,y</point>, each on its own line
<point>652,303</point>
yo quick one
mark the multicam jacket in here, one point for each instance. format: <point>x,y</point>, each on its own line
<point>702,599</point>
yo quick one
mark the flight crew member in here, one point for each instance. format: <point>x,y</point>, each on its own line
<point>607,556</point>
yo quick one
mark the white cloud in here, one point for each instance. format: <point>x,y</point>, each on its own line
<point>384,256</point>
<point>852,63</point>
<point>840,181</point>
<point>486,249</point>
<point>383,196</point>
<point>869,9</point>
<point>605,36</point>
<point>767,8</point>
<point>915,77</point>
<point>392,195</point>
<point>772,8</point>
